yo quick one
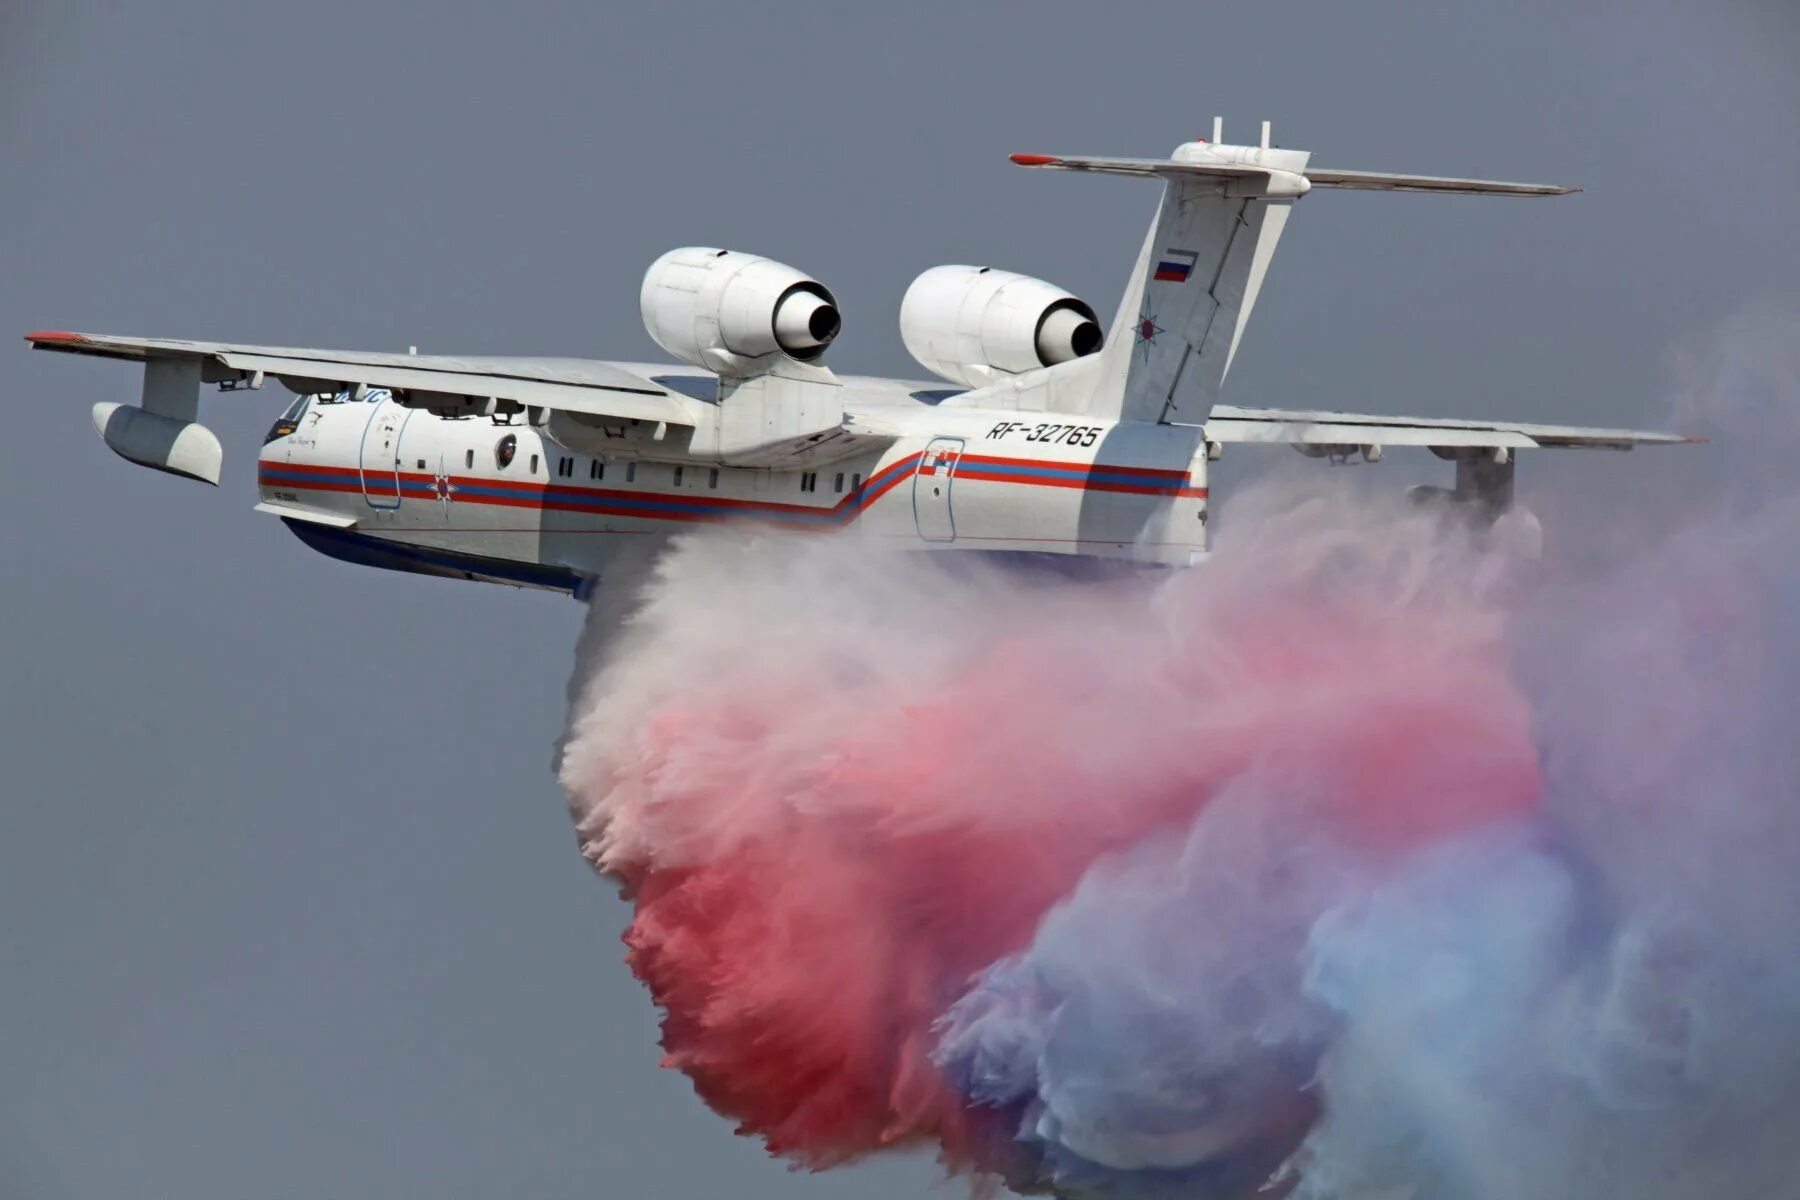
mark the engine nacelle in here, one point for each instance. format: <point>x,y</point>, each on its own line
<point>728,312</point>
<point>972,325</point>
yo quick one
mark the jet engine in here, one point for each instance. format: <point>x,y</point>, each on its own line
<point>973,325</point>
<point>728,312</point>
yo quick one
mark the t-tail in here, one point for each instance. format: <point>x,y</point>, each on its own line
<point>1208,251</point>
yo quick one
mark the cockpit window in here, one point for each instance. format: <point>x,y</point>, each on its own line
<point>288,421</point>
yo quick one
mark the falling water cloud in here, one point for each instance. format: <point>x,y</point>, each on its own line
<point>1364,861</point>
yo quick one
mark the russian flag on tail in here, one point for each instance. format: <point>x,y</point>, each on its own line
<point>1176,265</point>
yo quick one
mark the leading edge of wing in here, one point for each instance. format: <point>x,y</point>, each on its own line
<point>582,385</point>
<point>1230,423</point>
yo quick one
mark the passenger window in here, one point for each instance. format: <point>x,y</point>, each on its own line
<point>856,482</point>
<point>468,460</point>
<point>630,472</point>
<point>421,464</point>
<point>676,476</point>
<point>533,470</point>
<point>712,478</point>
<point>596,470</point>
<point>838,485</point>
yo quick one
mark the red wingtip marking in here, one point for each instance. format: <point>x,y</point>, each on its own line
<point>1034,160</point>
<point>53,335</point>
<point>1695,439</point>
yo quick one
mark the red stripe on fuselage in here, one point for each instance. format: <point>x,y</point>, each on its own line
<point>1173,476</point>
<point>1155,481</point>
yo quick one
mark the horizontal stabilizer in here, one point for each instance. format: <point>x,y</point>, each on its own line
<point>1376,182</point>
<point>1315,176</point>
<point>1135,166</point>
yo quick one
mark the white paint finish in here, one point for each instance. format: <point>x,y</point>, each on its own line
<point>722,310</point>
<point>772,418</point>
<point>1173,341</point>
<point>1377,182</point>
<point>582,385</point>
<point>973,325</point>
<point>162,443</point>
<point>171,388</point>
<point>314,516</point>
<point>988,514</point>
<point>1223,212</point>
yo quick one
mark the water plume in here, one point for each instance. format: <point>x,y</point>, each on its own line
<point>1361,862</point>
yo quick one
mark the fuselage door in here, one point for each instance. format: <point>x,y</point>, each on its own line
<point>931,489</point>
<point>381,454</point>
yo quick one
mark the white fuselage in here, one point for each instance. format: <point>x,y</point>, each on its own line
<point>376,482</point>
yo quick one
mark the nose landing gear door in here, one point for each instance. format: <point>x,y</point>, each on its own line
<point>931,489</point>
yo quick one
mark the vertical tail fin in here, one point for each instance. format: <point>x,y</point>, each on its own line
<point>1197,277</point>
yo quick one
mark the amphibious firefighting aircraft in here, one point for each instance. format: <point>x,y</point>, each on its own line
<point>1052,436</point>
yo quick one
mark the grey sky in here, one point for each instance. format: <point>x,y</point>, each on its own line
<point>288,901</point>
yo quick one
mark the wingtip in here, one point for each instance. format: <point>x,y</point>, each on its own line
<point>1033,160</point>
<point>1695,439</point>
<point>54,337</point>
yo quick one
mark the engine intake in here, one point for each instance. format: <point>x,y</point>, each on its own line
<point>728,312</point>
<point>972,325</point>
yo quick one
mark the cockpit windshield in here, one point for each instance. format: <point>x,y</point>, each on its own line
<point>288,421</point>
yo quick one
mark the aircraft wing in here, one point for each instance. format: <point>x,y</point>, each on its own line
<point>440,382</point>
<point>1229,423</point>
